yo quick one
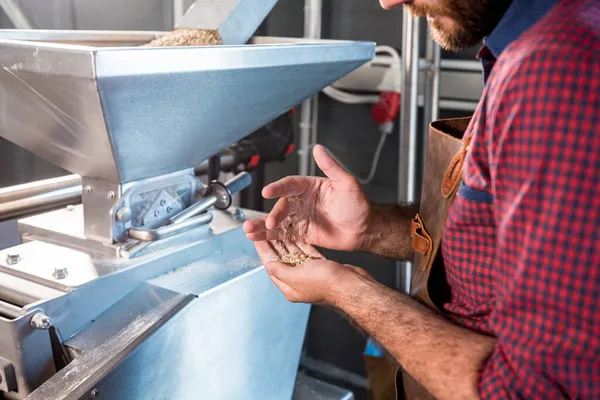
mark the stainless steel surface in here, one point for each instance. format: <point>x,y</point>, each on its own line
<point>308,388</point>
<point>235,20</point>
<point>136,114</point>
<point>8,310</point>
<point>237,324</point>
<point>15,14</point>
<point>152,235</point>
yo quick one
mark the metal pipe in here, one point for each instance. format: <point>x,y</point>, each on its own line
<point>15,14</point>
<point>408,188</point>
<point>409,154</point>
<point>51,194</point>
<point>40,203</point>
<point>431,101</point>
<point>20,192</point>
<point>309,111</point>
<point>9,311</point>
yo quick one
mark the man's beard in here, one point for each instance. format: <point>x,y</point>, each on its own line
<point>472,20</point>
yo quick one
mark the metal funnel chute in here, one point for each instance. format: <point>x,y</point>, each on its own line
<point>124,114</point>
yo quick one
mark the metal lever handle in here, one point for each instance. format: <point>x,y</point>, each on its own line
<point>220,196</point>
<point>152,235</point>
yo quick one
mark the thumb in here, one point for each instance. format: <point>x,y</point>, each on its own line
<point>332,169</point>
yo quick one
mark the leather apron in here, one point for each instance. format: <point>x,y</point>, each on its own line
<point>446,151</point>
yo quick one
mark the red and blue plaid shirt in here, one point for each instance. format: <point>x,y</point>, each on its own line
<point>522,241</point>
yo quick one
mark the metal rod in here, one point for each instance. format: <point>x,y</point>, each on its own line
<point>9,310</point>
<point>195,209</point>
<point>15,14</point>
<point>431,101</point>
<point>408,188</point>
<point>40,203</point>
<point>313,10</point>
<point>51,194</point>
<point>31,189</point>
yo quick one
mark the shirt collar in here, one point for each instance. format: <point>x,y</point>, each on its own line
<point>519,17</point>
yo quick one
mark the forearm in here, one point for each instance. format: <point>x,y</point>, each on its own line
<point>442,356</point>
<point>389,231</point>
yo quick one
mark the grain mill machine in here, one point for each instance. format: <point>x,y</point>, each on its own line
<point>148,289</point>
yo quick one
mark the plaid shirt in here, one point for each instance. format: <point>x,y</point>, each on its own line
<point>522,241</point>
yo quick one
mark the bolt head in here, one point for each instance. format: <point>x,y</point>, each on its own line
<point>40,321</point>
<point>94,393</point>
<point>124,214</point>
<point>111,195</point>
<point>87,189</point>
<point>60,272</point>
<point>12,259</point>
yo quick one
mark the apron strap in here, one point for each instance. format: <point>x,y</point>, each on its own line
<point>421,240</point>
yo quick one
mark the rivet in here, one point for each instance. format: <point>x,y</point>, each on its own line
<point>111,195</point>
<point>87,189</point>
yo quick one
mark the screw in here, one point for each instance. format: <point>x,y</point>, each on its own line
<point>94,393</point>
<point>12,259</point>
<point>40,321</point>
<point>87,189</point>
<point>238,215</point>
<point>111,195</point>
<point>169,209</point>
<point>224,198</point>
<point>156,213</point>
<point>124,214</point>
<point>163,202</point>
<point>60,272</point>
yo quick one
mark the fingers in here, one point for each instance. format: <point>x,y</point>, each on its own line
<point>329,166</point>
<point>255,225</point>
<point>309,250</point>
<point>288,186</point>
<point>266,252</point>
<point>280,211</point>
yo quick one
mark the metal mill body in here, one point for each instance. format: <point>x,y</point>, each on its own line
<point>149,288</point>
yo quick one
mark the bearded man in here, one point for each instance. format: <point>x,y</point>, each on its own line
<point>505,298</point>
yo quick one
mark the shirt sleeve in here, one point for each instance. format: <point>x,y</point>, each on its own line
<point>544,153</point>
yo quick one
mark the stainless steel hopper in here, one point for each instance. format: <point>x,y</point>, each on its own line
<point>124,114</point>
